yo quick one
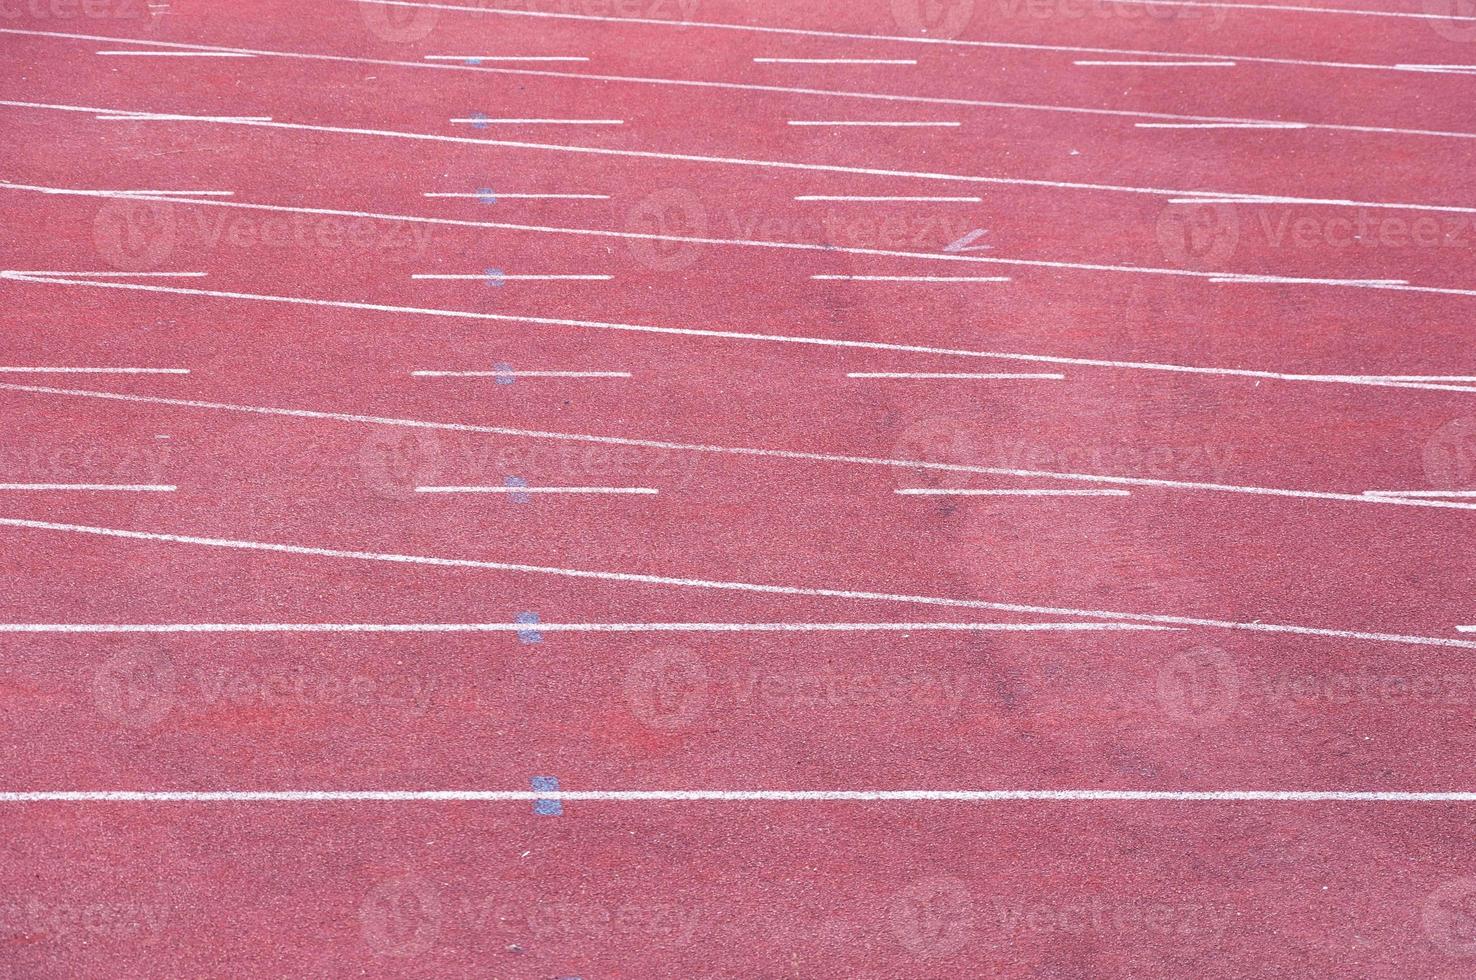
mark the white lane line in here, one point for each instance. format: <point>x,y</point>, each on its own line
<point>500,195</point>
<point>901,39</point>
<point>787,164</point>
<point>111,275</point>
<point>182,193</point>
<point>868,122</point>
<point>1300,280</point>
<point>478,58</point>
<point>925,492</point>
<point>177,54</point>
<point>520,374</point>
<point>1255,626</point>
<point>484,276</point>
<point>887,198</point>
<point>875,96</point>
<point>749,451</point>
<point>1221,125</point>
<point>104,487</point>
<point>801,246</point>
<point>835,61</point>
<point>1379,381</point>
<point>1298,9</point>
<point>1422,377</point>
<point>1232,199</point>
<point>92,370</point>
<point>92,628</point>
<point>741,335</point>
<point>111,116</point>
<point>547,490</point>
<point>1157,64</point>
<point>1014,376</point>
<point>734,796</point>
<point>1420,493</point>
<point>1449,69</point>
<point>914,278</point>
<point>484,121</point>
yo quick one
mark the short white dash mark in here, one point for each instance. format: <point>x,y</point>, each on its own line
<point>1298,280</point>
<point>106,487</point>
<point>960,376</point>
<point>929,492</point>
<point>1222,125</point>
<point>109,275</point>
<point>913,278</point>
<point>1157,64</point>
<point>834,61</point>
<point>646,491</point>
<point>92,370</point>
<point>520,374</point>
<point>179,54</point>
<point>484,121</point>
<point>527,276</point>
<point>1431,494</point>
<point>175,117</point>
<point>884,199</point>
<point>489,195</point>
<point>478,58</point>
<point>899,123</point>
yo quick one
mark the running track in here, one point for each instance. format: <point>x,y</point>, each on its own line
<point>282,698</point>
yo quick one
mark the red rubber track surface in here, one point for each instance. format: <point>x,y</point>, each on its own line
<point>1321,654</point>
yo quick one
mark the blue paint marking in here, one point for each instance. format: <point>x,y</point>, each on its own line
<point>529,636</point>
<point>479,120</point>
<point>547,808</point>
<point>504,375</point>
<point>494,277</point>
<point>485,195</point>
<point>517,481</point>
<point>474,61</point>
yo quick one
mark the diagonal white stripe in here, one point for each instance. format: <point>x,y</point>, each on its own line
<point>1359,498</point>
<point>647,579</point>
<point>1359,379</point>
